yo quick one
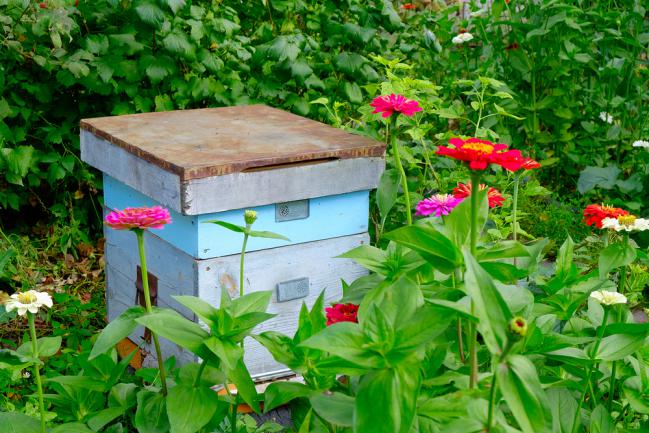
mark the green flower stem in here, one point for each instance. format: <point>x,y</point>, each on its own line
<point>473,335</point>
<point>492,399</point>
<point>460,341</point>
<point>233,408</point>
<point>149,308</point>
<point>618,318</point>
<point>246,234</point>
<point>598,341</point>
<point>517,181</point>
<point>402,172</point>
<point>37,373</point>
<point>197,381</point>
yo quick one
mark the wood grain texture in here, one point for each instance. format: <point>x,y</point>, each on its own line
<point>179,273</point>
<point>216,141</point>
<point>150,180</point>
<point>241,190</point>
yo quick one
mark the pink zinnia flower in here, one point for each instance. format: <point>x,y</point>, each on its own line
<point>138,218</point>
<point>342,313</point>
<point>388,104</point>
<point>438,205</point>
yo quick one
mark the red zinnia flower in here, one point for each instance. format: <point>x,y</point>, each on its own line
<point>342,313</point>
<point>138,218</point>
<point>514,162</point>
<point>408,6</point>
<point>494,196</point>
<point>388,104</point>
<point>594,214</point>
<point>478,153</point>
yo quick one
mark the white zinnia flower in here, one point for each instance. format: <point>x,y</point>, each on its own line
<point>627,223</point>
<point>26,375</point>
<point>641,143</point>
<point>30,300</point>
<point>606,117</point>
<point>462,38</point>
<point>605,297</point>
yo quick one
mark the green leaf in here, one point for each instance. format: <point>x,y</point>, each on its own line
<point>502,250</point>
<point>190,408</point>
<point>386,401</point>
<point>178,43</point>
<point>175,328</point>
<point>229,226</point>
<point>240,377</point>
<point>349,63</point>
<point>456,222</point>
<point>71,427</point>
<point>15,422</point>
<point>150,13</point>
<point>519,382</point>
<point>490,307</point>
<point>615,256</point>
<point>618,346</point>
<point>121,327</point>
<point>267,234</point>
<point>280,393</point>
<point>564,266</point>
<point>83,382</point>
<point>602,177</point>
<point>563,406</point>
<point>345,340</point>
<point>103,417</point>
<point>601,421</point>
<point>228,352</point>
<point>151,413</point>
<point>386,192</point>
<point>432,245</point>
<point>202,309</point>
<point>279,345</point>
<point>47,346</point>
<point>335,408</point>
<point>174,5</point>
<point>255,302</point>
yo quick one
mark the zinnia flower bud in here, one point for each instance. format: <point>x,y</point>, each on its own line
<point>250,216</point>
<point>518,326</point>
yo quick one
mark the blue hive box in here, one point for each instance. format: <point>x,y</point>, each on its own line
<point>306,180</point>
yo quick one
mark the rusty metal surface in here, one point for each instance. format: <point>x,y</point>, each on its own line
<point>218,141</point>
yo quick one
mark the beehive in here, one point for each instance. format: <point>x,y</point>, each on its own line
<point>306,180</point>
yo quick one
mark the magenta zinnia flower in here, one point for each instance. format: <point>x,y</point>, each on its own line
<point>388,104</point>
<point>138,218</point>
<point>438,205</point>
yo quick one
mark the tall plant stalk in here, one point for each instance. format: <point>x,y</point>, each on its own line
<point>618,318</point>
<point>473,335</point>
<point>392,139</point>
<point>246,234</point>
<point>149,308</point>
<point>37,372</point>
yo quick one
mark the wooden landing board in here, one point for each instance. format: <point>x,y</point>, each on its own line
<point>195,144</point>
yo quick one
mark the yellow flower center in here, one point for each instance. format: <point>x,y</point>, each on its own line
<point>26,298</point>
<point>626,220</point>
<point>481,148</point>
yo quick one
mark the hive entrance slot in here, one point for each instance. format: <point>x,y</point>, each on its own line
<point>289,164</point>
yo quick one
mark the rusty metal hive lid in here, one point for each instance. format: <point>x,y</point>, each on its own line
<point>217,141</point>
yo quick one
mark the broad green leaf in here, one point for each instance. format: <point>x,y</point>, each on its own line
<point>267,235</point>
<point>386,192</point>
<point>346,340</point>
<point>227,225</point>
<point>386,400</point>
<point>336,408</point>
<point>175,328</point>
<point>519,382</point>
<point>279,345</point>
<point>84,382</point>
<point>432,245</point>
<point>150,13</point>
<point>636,394</point>
<point>564,259</point>
<point>563,406</point>
<point>103,417</point>
<point>600,421</point>
<point>602,177</point>
<point>47,346</point>
<point>71,427</point>
<point>15,422</point>
<point>489,305</point>
<point>190,408</point>
<point>202,309</point>
<point>228,352</point>
<point>502,250</point>
<point>349,63</point>
<point>617,346</point>
<point>457,222</point>
<point>280,393</point>
<point>240,377</point>
<point>151,413</point>
<point>121,327</point>
<point>255,302</point>
<point>615,256</point>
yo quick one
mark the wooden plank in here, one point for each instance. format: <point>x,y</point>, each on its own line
<point>244,190</point>
<point>328,217</point>
<point>149,179</point>
<point>217,141</point>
